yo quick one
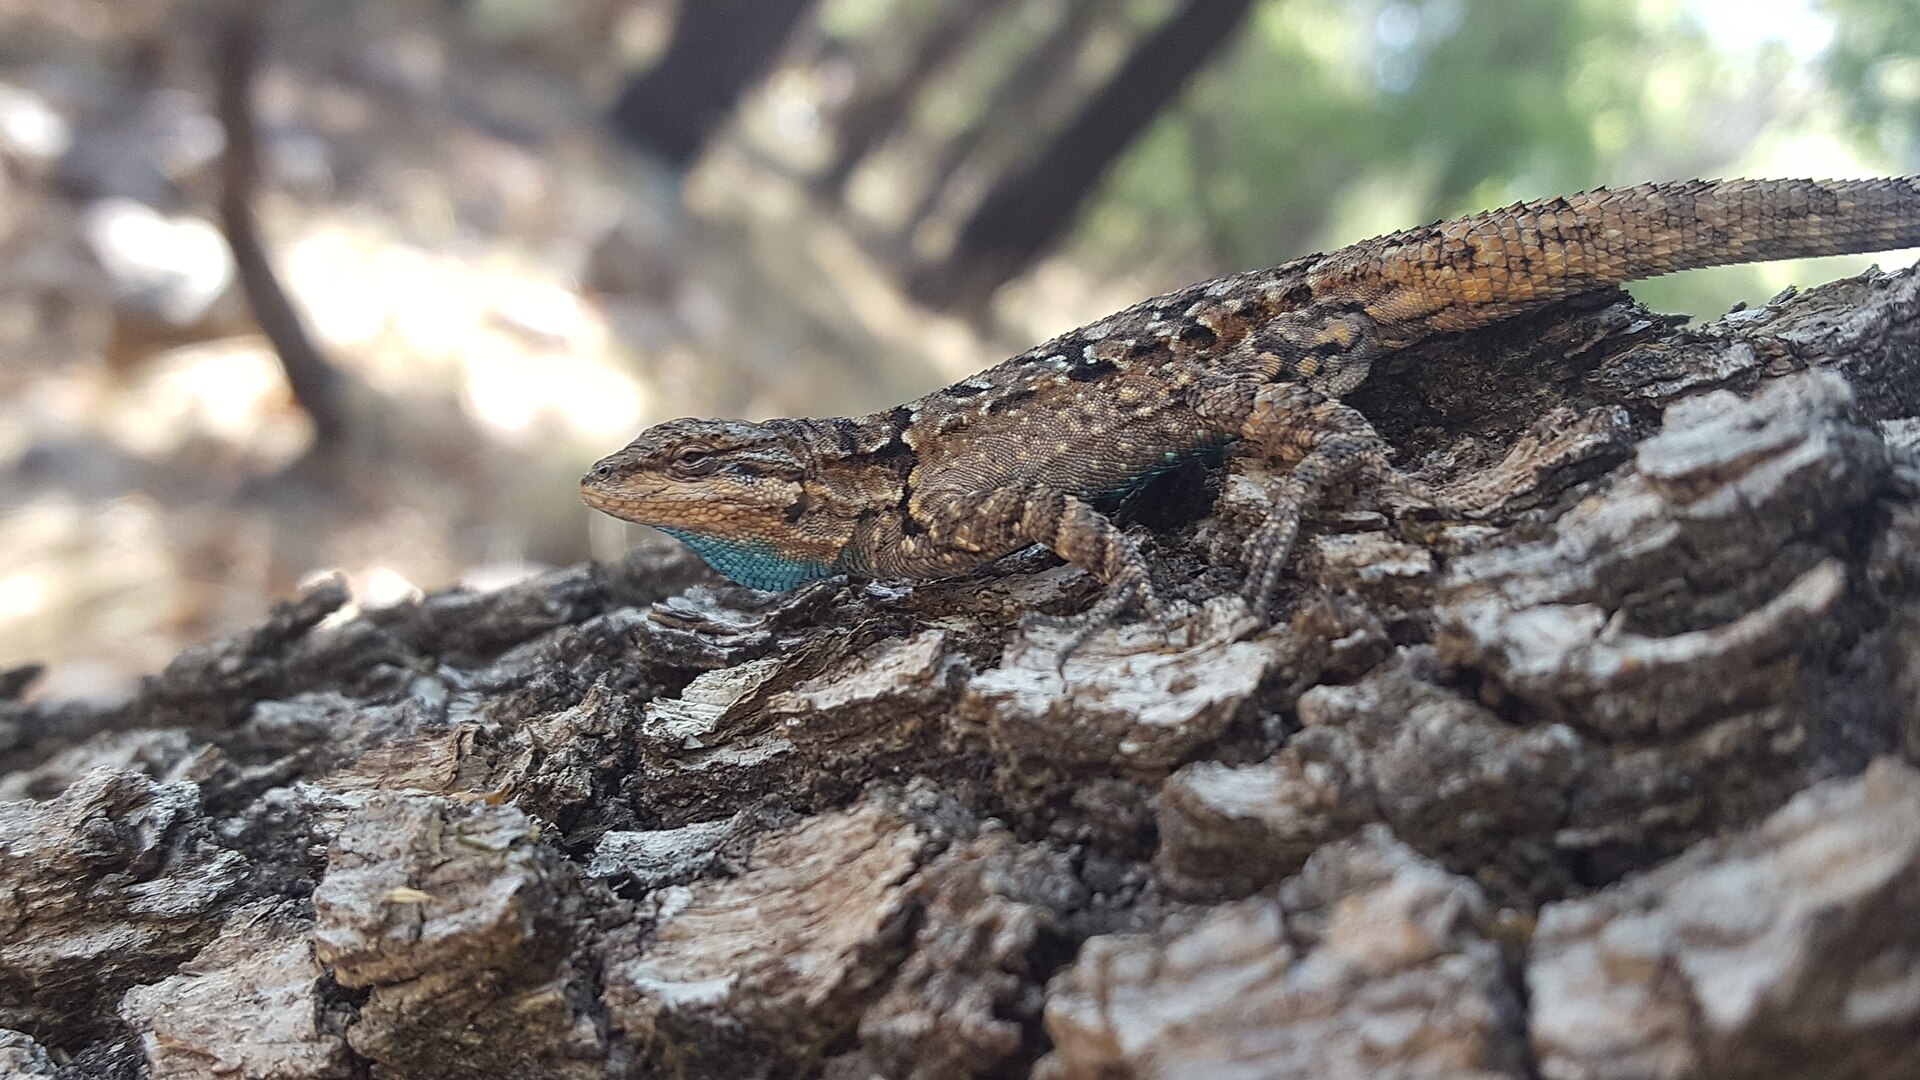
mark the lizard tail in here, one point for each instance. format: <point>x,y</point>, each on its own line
<point>1466,273</point>
<point>1718,222</point>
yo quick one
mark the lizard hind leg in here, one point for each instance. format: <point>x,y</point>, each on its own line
<point>1331,443</point>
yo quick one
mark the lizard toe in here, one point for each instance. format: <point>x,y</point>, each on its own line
<point>1081,628</point>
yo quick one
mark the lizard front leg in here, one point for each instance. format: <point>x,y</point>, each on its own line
<point>1069,527</point>
<point>960,529</point>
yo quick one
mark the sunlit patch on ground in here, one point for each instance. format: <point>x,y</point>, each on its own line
<point>102,572</point>
<point>229,392</point>
<point>522,350</point>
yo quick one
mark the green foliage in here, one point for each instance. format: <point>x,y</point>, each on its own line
<point>1875,62</point>
<point>1331,115</point>
<point>1332,120</point>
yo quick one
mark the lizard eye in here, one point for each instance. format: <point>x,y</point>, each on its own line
<point>694,462</point>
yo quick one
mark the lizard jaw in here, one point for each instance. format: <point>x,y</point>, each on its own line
<point>712,507</point>
<point>745,544</point>
<point>750,534</point>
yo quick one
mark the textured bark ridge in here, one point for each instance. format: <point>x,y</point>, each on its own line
<point>1608,778</point>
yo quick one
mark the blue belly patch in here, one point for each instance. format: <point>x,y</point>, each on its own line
<point>753,563</point>
<point>1210,455</point>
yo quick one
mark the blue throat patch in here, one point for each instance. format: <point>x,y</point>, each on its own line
<point>753,563</point>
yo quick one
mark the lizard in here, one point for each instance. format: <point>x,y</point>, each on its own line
<point>1036,449</point>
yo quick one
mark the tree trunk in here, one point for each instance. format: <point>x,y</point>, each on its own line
<point>1011,105</point>
<point>719,49</point>
<point>314,382</point>
<point>878,111</point>
<point>1029,209</point>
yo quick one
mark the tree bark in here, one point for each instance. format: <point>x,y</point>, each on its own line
<point>719,49</point>
<point>1485,785</point>
<point>1029,209</point>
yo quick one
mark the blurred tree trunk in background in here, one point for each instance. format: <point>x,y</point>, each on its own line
<point>719,49</point>
<point>1028,209</point>
<point>313,380</point>
<point>1036,79</point>
<point>877,110</point>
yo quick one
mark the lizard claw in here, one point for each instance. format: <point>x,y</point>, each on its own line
<point>1267,551</point>
<point>1082,627</point>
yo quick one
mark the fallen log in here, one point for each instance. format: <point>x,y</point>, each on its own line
<point>1607,778</point>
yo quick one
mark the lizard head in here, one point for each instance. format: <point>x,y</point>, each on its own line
<point>733,491</point>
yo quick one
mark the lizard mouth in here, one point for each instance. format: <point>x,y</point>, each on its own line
<point>596,493</point>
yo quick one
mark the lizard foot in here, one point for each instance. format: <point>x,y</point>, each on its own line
<point>1104,613</point>
<point>1338,445</point>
